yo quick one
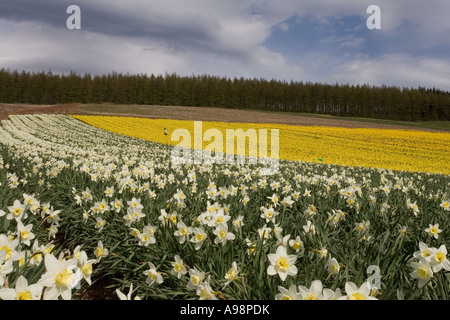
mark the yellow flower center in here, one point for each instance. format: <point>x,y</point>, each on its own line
<point>425,253</point>
<point>87,269</point>
<point>433,230</point>
<point>205,294</point>
<point>8,252</point>
<point>99,251</point>
<point>24,295</point>
<point>286,297</point>
<point>231,274</point>
<point>152,275</point>
<point>17,211</point>
<point>440,257</point>
<point>222,234</point>
<point>200,237</point>
<point>311,296</point>
<point>178,267</point>
<point>423,273</point>
<point>183,231</point>
<point>357,296</point>
<point>37,257</point>
<point>195,280</point>
<point>282,264</point>
<point>64,277</point>
<point>296,245</point>
<point>334,268</point>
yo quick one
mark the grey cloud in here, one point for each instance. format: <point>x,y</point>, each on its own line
<point>179,34</point>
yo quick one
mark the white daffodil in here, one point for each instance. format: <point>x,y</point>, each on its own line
<point>222,234</point>
<point>205,292</point>
<point>109,192</point>
<point>238,223</point>
<point>264,233</point>
<point>422,271</point>
<point>424,252</point>
<point>282,264</point>
<point>329,294</point>
<point>100,223</point>
<point>9,247</point>
<point>17,211</point>
<point>6,267</point>
<point>22,291</point>
<point>195,278</point>
<point>183,232</point>
<point>25,233</point>
<point>122,296</point>
<point>100,251</point>
<point>199,237</point>
<point>433,230</point>
<point>231,274</point>
<point>355,293</point>
<point>296,244</point>
<point>290,294</point>
<point>60,278</point>
<point>85,266</point>
<point>269,214</point>
<point>147,236</point>
<point>153,276</point>
<point>117,205</point>
<point>309,228</point>
<point>313,293</point>
<point>445,205</point>
<point>179,269</point>
<point>438,259</point>
<point>333,266</point>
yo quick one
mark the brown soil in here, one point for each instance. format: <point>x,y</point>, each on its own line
<point>194,113</point>
<point>7,109</point>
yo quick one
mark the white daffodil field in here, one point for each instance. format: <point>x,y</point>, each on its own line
<point>79,204</point>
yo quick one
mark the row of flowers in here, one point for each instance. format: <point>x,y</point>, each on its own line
<point>204,231</point>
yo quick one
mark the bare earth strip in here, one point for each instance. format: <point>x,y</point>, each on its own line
<point>196,113</point>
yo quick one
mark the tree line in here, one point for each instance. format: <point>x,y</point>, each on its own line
<point>383,102</point>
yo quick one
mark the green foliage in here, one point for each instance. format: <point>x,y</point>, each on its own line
<point>393,103</point>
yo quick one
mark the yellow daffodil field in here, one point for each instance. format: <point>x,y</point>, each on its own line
<point>349,213</point>
<point>409,150</point>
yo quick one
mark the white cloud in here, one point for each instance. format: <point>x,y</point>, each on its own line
<point>400,70</point>
<point>222,38</point>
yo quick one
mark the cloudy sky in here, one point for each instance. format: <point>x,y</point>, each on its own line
<point>323,41</point>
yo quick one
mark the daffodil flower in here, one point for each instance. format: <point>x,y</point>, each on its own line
<point>22,291</point>
<point>355,293</point>
<point>60,278</point>
<point>282,264</point>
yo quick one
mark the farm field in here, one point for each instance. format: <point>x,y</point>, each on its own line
<point>219,114</point>
<point>410,150</point>
<point>80,204</point>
